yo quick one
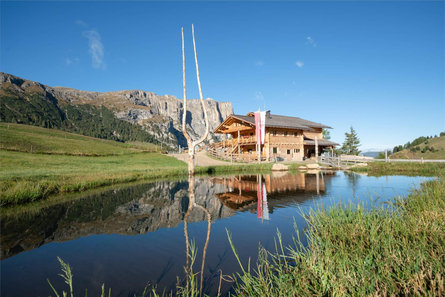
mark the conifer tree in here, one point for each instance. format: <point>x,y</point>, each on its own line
<point>326,134</point>
<point>351,143</point>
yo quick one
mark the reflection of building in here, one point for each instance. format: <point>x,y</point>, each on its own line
<point>242,190</point>
<point>289,138</point>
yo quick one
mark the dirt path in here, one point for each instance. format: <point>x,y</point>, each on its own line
<point>201,159</point>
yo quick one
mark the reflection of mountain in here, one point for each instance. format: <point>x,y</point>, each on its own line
<point>132,210</point>
<point>242,190</point>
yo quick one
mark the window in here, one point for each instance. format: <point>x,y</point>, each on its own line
<point>288,152</point>
<point>274,133</point>
<point>296,150</point>
<point>285,133</point>
<point>274,150</point>
<point>295,133</point>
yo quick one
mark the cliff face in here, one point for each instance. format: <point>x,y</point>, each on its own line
<point>160,116</point>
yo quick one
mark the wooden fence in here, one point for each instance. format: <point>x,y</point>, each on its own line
<point>227,155</point>
<point>340,161</point>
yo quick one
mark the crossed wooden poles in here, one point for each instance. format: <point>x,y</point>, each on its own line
<point>192,144</point>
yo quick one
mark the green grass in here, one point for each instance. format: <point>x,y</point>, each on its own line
<point>354,251</point>
<point>26,177</point>
<point>402,168</point>
<point>32,139</point>
<point>36,163</point>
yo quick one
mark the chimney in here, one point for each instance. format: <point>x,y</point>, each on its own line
<point>268,114</point>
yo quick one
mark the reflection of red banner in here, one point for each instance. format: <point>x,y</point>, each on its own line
<point>262,211</point>
<point>259,211</point>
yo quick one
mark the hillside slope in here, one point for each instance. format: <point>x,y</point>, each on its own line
<point>122,115</point>
<point>32,139</point>
<point>432,149</point>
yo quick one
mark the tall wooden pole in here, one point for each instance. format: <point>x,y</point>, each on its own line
<point>184,114</point>
<point>206,119</point>
<point>192,144</point>
<point>316,148</point>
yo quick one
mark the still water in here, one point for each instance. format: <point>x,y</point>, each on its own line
<point>131,237</point>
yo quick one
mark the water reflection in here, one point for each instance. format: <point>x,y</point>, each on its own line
<point>244,191</point>
<point>131,235</point>
<point>125,211</point>
<point>189,256</point>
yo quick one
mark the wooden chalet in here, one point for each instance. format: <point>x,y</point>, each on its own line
<point>287,138</point>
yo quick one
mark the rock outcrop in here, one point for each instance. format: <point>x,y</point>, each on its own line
<point>161,116</point>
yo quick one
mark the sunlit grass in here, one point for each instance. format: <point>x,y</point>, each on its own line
<point>357,251</point>
<point>32,139</point>
<point>26,177</point>
<point>405,168</point>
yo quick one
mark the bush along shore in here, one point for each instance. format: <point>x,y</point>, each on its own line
<point>352,251</point>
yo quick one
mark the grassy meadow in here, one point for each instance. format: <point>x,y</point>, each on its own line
<point>37,140</point>
<point>62,162</point>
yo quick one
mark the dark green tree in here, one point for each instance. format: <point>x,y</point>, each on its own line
<point>351,144</point>
<point>326,134</point>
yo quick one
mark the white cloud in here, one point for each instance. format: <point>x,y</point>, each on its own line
<point>81,24</point>
<point>69,61</point>
<point>96,48</point>
<point>259,63</point>
<point>299,64</point>
<point>310,41</point>
<point>259,96</point>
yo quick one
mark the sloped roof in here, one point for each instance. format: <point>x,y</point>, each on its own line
<point>320,142</point>
<point>279,121</point>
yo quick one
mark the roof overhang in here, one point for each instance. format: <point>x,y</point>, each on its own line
<point>228,121</point>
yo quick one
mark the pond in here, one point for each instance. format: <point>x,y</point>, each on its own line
<point>129,237</point>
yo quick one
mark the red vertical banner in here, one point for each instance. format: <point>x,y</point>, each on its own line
<point>258,127</point>
<point>262,126</point>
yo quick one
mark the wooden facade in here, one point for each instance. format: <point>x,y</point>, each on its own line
<point>286,138</point>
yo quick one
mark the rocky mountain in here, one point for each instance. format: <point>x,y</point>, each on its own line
<point>30,102</point>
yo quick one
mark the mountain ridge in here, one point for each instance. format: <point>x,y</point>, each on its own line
<point>158,115</point>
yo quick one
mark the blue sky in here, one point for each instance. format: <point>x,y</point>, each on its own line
<point>378,66</point>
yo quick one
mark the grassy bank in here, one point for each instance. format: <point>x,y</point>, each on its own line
<point>353,251</point>
<point>402,168</point>
<point>26,177</point>
<point>36,163</point>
